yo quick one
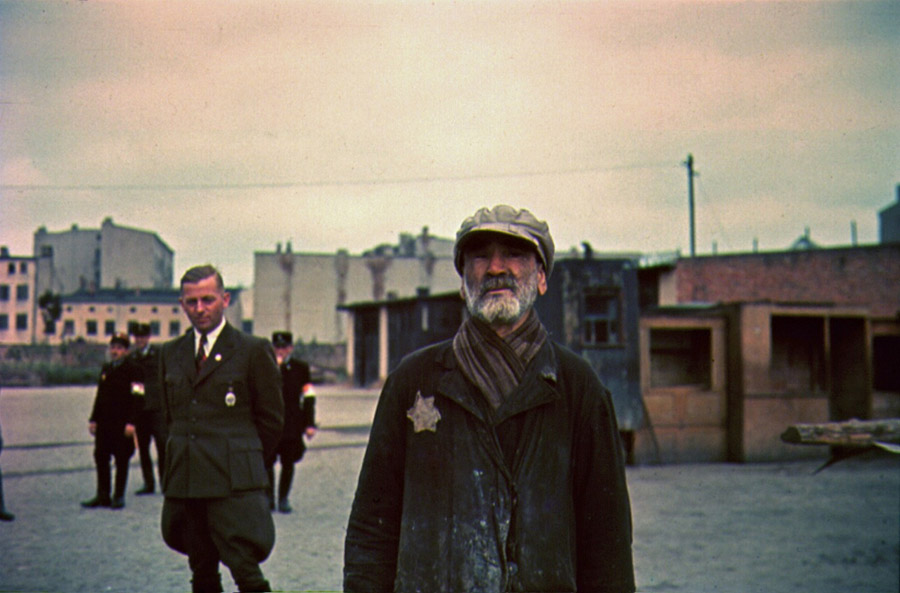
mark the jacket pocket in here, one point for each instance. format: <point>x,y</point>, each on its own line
<point>245,459</point>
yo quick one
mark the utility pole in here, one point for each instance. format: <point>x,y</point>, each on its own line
<point>689,163</point>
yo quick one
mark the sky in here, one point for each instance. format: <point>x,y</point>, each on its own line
<point>230,127</point>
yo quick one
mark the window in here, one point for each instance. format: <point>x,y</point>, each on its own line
<point>22,292</point>
<point>49,327</point>
<point>680,357</point>
<point>132,310</point>
<point>23,268</point>
<point>4,321</point>
<point>91,309</point>
<point>109,328</point>
<point>4,292</point>
<point>154,328</point>
<point>90,327</point>
<point>174,328</point>
<point>11,268</point>
<point>601,325</point>
<point>798,363</point>
<point>69,327</point>
<point>22,321</point>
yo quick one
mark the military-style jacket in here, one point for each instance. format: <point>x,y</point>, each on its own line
<point>223,421</point>
<point>299,410</point>
<point>456,496</point>
<point>148,362</point>
<point>115,404</point>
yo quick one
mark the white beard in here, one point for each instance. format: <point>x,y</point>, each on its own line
<point>506,308</point>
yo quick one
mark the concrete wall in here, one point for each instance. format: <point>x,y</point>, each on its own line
<point>300,292</point>
<point>685,419</point>
<point>110,257</point>
<point>133,259</point>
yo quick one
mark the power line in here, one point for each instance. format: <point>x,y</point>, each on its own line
<point>322,183</point>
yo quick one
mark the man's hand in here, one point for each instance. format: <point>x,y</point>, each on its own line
<point>129,430</point>
<point>311,432</point>
<point>92,428</point>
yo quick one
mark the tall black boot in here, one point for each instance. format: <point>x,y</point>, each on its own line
<point>284,487</point>
<point>206,584</point>
<point>4,514</point>
<point>103,479</point>
<point>118,499</point>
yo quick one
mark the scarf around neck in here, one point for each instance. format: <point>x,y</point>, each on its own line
<point>496,365</point>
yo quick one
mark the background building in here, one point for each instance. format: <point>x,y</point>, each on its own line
<point>889,222</point>
<point>109,257</point>
<point>18,309</point>
<point>301,292</point>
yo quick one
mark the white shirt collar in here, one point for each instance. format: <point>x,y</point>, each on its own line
<point>211,337</point>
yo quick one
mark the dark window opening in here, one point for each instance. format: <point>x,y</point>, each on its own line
<point>798,354</point>
<point>680,357</point>
<point>601,323</point>
<point>886,363</point>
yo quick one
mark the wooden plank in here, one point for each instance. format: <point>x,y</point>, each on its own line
<point>851,433</point>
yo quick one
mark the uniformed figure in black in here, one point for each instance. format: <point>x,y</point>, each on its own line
<point>112,423</point>
<point>5,515</point>
<point>299,418</point>
<point>221,396</point>
<point>150,423</point>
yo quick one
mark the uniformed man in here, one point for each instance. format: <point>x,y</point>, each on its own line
<point>221,397</point>
<point>112,423</point>
<point>299,418</point>
<point>150,424</point>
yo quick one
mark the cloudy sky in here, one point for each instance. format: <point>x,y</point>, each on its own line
<point>230,127</point>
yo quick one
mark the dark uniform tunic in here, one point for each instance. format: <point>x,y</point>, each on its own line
<point>114,406</point>
<point>150,423</point>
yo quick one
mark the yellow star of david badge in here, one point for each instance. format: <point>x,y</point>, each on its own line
<point>423,414</point>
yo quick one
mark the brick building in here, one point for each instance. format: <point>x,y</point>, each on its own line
<point>737,347</point>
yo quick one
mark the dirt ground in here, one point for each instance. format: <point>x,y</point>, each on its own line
<point>698,528</point>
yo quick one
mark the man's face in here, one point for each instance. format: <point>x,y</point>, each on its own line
<point>501,280</point>
<point>140,342</point>
<point>117,351</point>
<point>282,353</point>
<point>204,303</point>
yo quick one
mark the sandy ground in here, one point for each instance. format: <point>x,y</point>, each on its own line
<point>698,528</point>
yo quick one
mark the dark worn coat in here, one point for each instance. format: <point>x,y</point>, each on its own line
<point>530,497</point>
<point>215,449</point>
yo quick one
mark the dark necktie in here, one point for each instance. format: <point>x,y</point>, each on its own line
<point>201,352</point>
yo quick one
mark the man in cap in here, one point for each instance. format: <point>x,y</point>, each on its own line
<point>150,424</point>
<point>494,461</point>
<point>112,423</point>
<point>221,397</point>
<point>299,418</point>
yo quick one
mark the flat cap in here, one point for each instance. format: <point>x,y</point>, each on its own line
<point>509,221</point>
<point>281,339</point>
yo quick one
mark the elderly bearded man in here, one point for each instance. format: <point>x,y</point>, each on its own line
<point>494,461</point>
